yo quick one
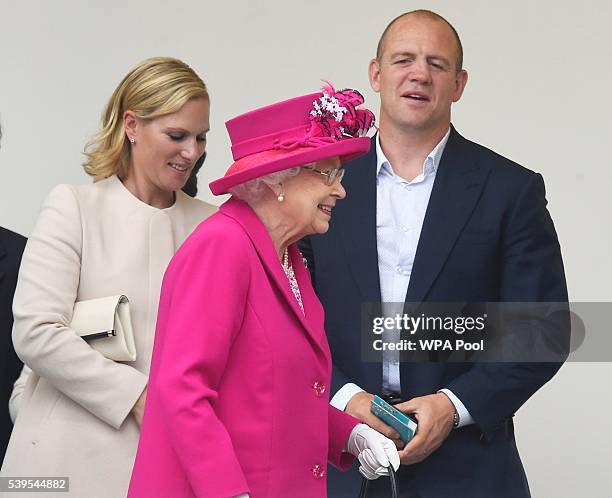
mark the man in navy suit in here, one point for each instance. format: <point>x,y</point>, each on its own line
<point>11,248</point>
<point>433,217</point>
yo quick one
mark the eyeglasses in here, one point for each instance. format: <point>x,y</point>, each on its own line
<point>331,175</point>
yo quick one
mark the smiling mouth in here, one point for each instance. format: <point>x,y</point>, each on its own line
<point>325,209</point>
<point>181,168</point>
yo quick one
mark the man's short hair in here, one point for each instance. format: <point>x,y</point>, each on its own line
<point>429,15</point>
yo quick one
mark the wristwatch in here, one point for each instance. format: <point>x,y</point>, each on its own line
<point>455,420</point>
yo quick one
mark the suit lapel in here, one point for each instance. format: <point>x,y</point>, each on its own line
<point>246,217</point>
<point>313,310</point>
<point>2,260</point>
<point>457,188</point>
<point>355,218</point>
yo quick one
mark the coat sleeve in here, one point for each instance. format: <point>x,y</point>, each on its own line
<point>340,426</point>
<point>17,393</point>
<point>531,271</point>
<point>43,305</point>
<point>203,301</point>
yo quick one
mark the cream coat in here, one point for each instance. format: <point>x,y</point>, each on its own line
<point>74,418</point>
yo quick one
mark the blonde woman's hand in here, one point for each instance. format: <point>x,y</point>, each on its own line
<point>139,406</point>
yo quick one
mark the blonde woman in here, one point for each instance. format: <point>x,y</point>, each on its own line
<point>80,413</point>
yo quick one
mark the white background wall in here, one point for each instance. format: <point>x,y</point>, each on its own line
<point>539,92</point>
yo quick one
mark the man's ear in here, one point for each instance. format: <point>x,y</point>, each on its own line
<point>460,82</point>
<point>374,74</point>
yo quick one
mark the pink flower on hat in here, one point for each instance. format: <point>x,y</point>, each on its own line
<point>335,114</point>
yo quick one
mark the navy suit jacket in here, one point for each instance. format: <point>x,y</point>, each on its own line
<point>487,236</point>
<point>11,248</point>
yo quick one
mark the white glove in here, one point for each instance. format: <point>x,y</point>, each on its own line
<point>374,451</point>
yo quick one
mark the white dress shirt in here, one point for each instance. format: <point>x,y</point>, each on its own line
<point>400,211</point>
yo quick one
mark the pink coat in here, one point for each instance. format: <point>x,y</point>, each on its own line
<point>238,395</point>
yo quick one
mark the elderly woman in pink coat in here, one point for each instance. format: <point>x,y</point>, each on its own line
<point>237,400</point>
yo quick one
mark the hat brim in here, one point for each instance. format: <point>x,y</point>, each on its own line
<point>272,161</point>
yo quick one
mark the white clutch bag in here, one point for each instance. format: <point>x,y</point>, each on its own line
<point>105,324</point>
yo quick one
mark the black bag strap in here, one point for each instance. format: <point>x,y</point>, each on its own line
<point>365,484</point>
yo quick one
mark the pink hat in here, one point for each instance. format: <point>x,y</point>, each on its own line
<point>296,132</point>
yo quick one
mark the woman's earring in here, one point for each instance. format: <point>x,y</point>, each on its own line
<point>280,197</point>
<point>132,140</point>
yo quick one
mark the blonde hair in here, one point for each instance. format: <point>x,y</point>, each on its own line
<point>155,87</point>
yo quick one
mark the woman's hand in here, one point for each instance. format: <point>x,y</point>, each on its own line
<point>139,406</point>
<point>374,451</point>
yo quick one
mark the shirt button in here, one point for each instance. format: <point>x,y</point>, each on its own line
<point>405,229</point>
<point>319,388</point>
<point>318,471</point>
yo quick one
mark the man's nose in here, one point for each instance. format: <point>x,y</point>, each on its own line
<point>420,71</point>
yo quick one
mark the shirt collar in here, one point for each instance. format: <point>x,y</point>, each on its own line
<point>432,161</point>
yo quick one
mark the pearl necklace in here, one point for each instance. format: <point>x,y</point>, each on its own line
<point>292,280</point>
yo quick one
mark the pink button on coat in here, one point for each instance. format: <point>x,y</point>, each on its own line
<point>238,396</point>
